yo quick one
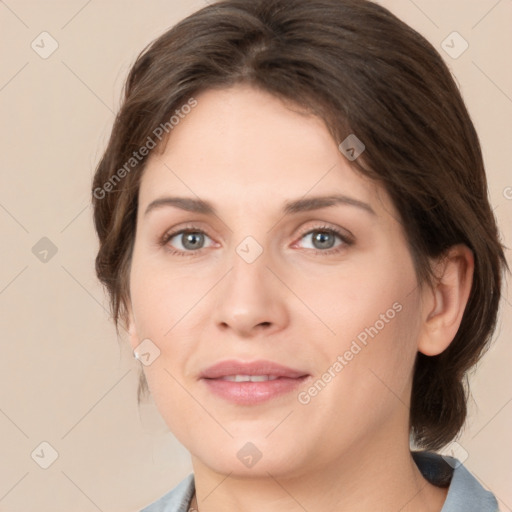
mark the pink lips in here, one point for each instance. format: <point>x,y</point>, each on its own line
<point>284,380</point>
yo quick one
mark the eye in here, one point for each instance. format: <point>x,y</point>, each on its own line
<point>323,239</point>
<point>188,240</point>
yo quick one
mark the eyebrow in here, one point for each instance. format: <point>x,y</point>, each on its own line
<point>290,207</point>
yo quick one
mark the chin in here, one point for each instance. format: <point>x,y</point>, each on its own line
<point>251,457</point>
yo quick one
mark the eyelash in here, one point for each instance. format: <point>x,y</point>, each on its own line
<point>345,238</point>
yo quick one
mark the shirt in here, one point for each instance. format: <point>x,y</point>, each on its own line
<point>465,494</point>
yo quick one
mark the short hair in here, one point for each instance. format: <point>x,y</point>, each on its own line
<point>364,72</point>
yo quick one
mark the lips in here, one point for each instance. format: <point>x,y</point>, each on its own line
<point>232,367</point>
<point>251,383</point>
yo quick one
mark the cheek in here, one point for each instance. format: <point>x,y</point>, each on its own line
<point>383,369</point>
<point>163,307</point>
<point>373,376</point>
<point>365,301</point>
<point>160,298</point>
<point>375,315</point>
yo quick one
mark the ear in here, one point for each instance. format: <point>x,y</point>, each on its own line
<point>445,301</point>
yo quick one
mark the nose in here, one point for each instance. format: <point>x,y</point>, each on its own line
<point>250,299</point>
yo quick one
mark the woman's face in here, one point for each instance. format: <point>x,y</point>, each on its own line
<point>329,292</point>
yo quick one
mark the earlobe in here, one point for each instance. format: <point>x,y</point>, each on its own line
<point>446,300</point>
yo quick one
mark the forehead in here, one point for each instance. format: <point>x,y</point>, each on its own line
<point>245,145</point>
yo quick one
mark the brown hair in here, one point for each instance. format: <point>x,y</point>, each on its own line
<point>363,71</point>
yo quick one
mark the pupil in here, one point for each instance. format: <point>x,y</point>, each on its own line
<point>321,238</point>
<point>192,238</point>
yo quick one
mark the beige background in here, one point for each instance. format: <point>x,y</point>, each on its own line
<point>65,378</point>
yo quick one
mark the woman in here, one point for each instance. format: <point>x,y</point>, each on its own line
<point>295,232</point>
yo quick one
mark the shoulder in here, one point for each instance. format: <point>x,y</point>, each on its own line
<point>177,499</point>
<point>464,491</point>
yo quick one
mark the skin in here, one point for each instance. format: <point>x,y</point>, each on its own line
<point>348,448</point>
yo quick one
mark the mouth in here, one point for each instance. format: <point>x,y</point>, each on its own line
<point>249,383</point>
<point>249,378</point>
